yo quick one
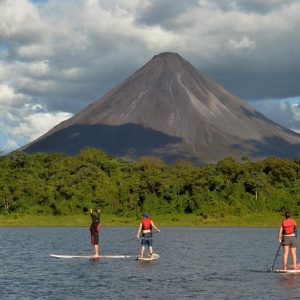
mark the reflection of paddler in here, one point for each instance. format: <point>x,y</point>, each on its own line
<point>145,229</point>
<point>287,236</point>
<point>95,230</point>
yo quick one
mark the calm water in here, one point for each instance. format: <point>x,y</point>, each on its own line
<point>195,263</point>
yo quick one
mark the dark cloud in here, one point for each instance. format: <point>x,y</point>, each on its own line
<point>254,86</point>
<point>163,12</point>
<point>262,6</point>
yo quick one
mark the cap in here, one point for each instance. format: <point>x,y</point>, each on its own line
<point>146,215</point>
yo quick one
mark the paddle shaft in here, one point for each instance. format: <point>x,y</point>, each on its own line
<point>276,257</point>
<point>141,236</point>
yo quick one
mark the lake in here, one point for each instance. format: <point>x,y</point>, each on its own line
<point>195,263</point>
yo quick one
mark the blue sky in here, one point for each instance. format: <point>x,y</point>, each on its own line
<point>56,57</point>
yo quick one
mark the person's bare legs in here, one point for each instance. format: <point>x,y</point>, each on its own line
<point>285,256</point>
<point>96,250</point>
<point>151,250</point>
<point>142,251</point>
<point>294,256</point>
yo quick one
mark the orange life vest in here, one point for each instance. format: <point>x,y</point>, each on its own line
<point>288,226</point>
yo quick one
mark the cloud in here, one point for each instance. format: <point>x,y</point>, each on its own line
<point>261,7</point>
<point>242,43</point>
<point>20,23</point>
<point>164,13</point>
<point>285,112</point>
<point>62,55</point>
<point>22,120</point>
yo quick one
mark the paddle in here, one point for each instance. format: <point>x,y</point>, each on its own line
<point>135,238</point>
<point>276,257</point>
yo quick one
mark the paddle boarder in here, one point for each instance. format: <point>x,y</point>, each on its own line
<point>95,230</point>
<point>145,230</point>
<point>287,235</point>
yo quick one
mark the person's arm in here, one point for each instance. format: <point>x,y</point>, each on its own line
<point>139,231</point>
<point>280,234</point>
<point>153,225</point>
<point>98,226</point>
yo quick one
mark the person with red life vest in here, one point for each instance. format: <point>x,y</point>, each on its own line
<point>287,236</point>
<point>145,229</point>
<point>95,230</point>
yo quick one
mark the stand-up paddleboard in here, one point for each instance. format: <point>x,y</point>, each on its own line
<point>89,256</point>
<point>154,256</point>
<point>290,270</point>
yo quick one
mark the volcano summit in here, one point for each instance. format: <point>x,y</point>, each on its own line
<point>170,110</point>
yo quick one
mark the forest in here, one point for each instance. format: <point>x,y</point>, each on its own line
<point>57,184</point>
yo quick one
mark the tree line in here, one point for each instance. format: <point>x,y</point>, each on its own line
<point>58,184</point>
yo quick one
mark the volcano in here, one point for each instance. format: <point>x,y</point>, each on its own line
<point>168,109</point>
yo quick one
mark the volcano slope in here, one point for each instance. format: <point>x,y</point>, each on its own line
<point>168,109</point>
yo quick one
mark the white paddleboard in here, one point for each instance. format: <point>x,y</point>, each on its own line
<point>289,271</point>
<point>89,256</point>
<point>148,258</point>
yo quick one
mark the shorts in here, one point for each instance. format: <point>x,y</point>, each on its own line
<point>95,239</point>
<point>147,239</point>
<point>290,241</point>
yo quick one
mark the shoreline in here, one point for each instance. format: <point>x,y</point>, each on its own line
<point>169,220</point>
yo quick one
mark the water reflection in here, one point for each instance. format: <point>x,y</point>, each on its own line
<point>289,284</point>
<point>289,280</point>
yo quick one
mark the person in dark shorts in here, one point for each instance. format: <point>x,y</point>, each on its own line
<point>287,236</point>
<point>145,228</point>
<point>95,230</point>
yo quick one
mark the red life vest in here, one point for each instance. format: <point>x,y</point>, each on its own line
<point>288,226</point>
<point>146,224</point>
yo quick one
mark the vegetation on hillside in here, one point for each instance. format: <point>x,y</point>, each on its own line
<point>59,185</point>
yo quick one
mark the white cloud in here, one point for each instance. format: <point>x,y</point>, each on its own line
<point>33,51</point>
<point>20,20</point>
<point>8,97</point>
<point>296,112</point>
<point>39,123</point>
<point>242,43</point>
<point>22,125</point>
<point>22,120</point>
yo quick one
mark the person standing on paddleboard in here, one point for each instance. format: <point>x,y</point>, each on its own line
<point>287,236</point>
<point>95,230</point>
<point>145,229</point>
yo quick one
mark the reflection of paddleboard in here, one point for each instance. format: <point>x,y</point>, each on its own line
<point>89,256</point>
<point>148,258</point>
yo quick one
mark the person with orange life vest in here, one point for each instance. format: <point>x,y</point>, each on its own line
<point>145,229</point>
<point>287,236</point>
<point>95,230</point>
